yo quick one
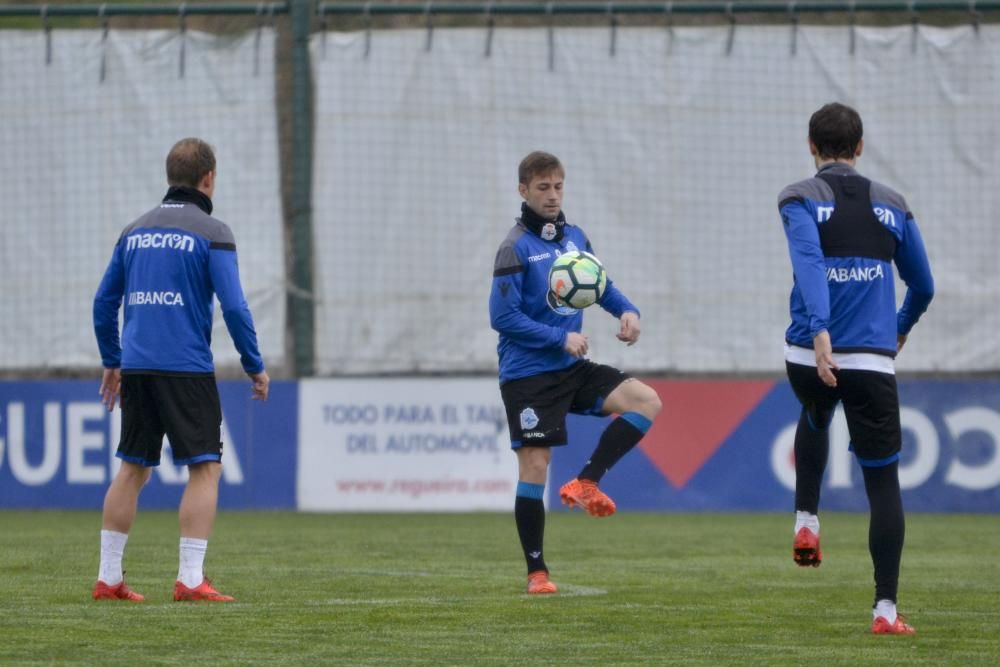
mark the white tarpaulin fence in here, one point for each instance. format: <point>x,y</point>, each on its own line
<point>675,152</point>
<point>84,157</point>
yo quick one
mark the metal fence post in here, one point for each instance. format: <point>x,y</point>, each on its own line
<point>301,301</point>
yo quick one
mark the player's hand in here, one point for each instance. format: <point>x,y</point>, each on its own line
<point>111,387</point>
<point>576,344</point>
<point>261,384</point>
<point>825,365</point>
<point>900,342</point>
<point>629,332</point>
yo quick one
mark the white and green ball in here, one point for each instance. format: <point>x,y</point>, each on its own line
<point>577,279</point>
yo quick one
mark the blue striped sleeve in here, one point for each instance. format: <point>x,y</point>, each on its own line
<point>507,318</point>
<point>915,270</point>
<point>808,262</point>
<point>107,302</point>
<point>224,271</point>
<point>615,302</point>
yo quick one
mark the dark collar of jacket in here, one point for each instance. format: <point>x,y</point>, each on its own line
<point>837,169</point>
<point>548,230</point>
<point>188,195</point>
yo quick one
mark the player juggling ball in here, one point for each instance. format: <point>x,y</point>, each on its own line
<point>544,372</point>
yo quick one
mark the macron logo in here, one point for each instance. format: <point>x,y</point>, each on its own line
<point>158,240</point>
<point>885,216</point>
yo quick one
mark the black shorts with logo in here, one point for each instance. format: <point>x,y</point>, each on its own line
<point>537,405</point>
<point>871,405</point>
<point>185,408</point>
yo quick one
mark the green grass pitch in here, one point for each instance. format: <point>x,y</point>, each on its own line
<point>437,589</point>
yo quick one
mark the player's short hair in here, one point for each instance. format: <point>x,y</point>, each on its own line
<point>188,162</point>
<point>538,163</point>
<point>836,130</point>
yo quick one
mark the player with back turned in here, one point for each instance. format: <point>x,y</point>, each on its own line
<point>167,267</point>
<point>844,234</point>
<point>544,373</point>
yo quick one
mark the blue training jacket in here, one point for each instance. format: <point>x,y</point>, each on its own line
<point>166,266</point>
<point>844,232</point>
<point>531,325</point>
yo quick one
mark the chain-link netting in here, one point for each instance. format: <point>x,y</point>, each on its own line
<point>86,121</point>
<point>676,145</point>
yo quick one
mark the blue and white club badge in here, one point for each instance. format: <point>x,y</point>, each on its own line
<point>557,305</point>
<point>529,419</point>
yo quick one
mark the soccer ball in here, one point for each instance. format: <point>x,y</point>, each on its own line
<point>577,279</point>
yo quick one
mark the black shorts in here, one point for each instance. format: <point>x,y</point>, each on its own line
<point>871,405</point>
<point>184,408</point>
<point>537,405</point>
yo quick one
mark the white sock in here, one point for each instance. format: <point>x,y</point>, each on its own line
<point>112,550</point>
<point>810,521</point>
<point>192,571</point>
<point>885,609</point>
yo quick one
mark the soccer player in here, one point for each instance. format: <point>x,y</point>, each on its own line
<point>844,233</point>
<point>166,266</point>
<point>544,373</point>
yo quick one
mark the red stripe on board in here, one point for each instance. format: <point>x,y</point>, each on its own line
<point>697,417</point>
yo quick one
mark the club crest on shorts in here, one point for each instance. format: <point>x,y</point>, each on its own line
<point>528,418</point>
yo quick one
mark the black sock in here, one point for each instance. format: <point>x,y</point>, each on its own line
<point>529,515</point>
<point>618,439</point>
<point>886,528</point>
<point>812,449</point>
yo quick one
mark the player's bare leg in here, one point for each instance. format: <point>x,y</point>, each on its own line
<point>633,396</point>
<point>637,405</point>
<point>120,505</point>
<point>198,505</point>
<point>122,499</point>
<point>529,514</point>
<point>197,517</point>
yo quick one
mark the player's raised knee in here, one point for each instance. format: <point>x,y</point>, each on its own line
<point>647,401</point>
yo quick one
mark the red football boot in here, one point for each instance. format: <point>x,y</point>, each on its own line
<point>882,626</point>
<point>584,494</point>
<point>203,592</point>
<point>805,551</point>
<point>120,592</point>
<point>539,584</point>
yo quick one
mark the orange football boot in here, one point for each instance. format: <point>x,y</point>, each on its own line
<point>203,592</point>
<point>882,626</point>
<point>539,584</point>
<point>102,591</point>
<point>584,494</point>
<point>806,552</point>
